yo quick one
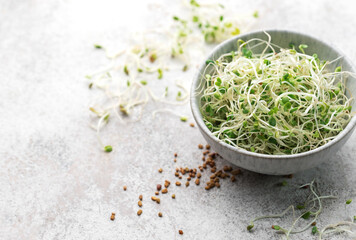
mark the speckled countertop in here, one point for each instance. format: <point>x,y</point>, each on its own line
<point>56,184</point>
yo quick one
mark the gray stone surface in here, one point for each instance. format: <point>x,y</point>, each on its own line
<point>56,184</point>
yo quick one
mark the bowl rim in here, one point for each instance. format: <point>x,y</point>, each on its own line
<point>199,120</point>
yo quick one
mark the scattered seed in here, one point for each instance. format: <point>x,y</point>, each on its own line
<point>313,224</point>
<point>187,184</point>
<point>233,179</point>
<point>157,193</point>
<point>199,175</point>
<point>140,197</point>
<point>139,212</point>
<point>175,155</point>
<point>197,182</point>
<point>167,183</point>
<point>236,171</point>
<point>159,186</point>
<point>227,168</point>
<point>206,152</point>
<point>160,214</point>
<point>125,188</point>
<point>217,185</point>
<point>180,177</point>
<point>164,190</point>
<point>207,146</point>
<point>189,178</point>
<point>160,170</point>
<point>173,196</point>
<point>139,203</point>
<point>200,146</point>
<point>175,160</point>
<point>180,232</point>
<point>176,174</point>
<point>178,183</point>
<point>112,218</point>
<point>192,124</point>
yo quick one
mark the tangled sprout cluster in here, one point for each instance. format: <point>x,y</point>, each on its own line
<point>273,102</point>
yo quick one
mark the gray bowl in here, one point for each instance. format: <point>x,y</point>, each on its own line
<point>275,164</point>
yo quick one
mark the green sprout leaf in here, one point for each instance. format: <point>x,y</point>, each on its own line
<point>108,148</point>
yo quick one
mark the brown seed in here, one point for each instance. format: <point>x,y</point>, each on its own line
<point>233,179</point>
<point>313,224</point>
<point>189,178</point>
<point>160,214</point>
<point>125,188</point>
<point>175,160</point>
<point>182,171</point>
<point>200,146</point>
<point>139,212</point>
<point>187,184</point>
<point>227,168</point>
<point>199,175</point>
<point>192,124</point>
<point>217,185</point>
<point>204,165</point>
<point>167,183</point>
<point>140,197</point>
<point>236,171</point>
<point>112,218</point>
<point>159,186</point>
<point>197,181</point>
<point>206,152</point>
<point>164,190</point>
<point>173,196</point>
<point>187,169</point>
<point>203,158</point>
<point>180,232</point>
<point>160,170</point>
<point>176,174</point>
<point>177,169</point>
<point>207,187</point>
<point>158,200</point>
<point>180,177</point>
<point>175,155</point>
<point>178,183</point>
<point>157,193</point>
<point>139,203</point>
<point>207,146</point>
<point>213,170</point>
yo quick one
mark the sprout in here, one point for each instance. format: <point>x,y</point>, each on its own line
<point>348,201</point>
<point>183,118</point>
<point>98,46</point>
<point>160,73</point>
<point>282,103</point>
<point>126,70</point>
<point>108,148</point>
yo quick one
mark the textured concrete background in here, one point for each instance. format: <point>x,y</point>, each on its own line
<point>56,184</point>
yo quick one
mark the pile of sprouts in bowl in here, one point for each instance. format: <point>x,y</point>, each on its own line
<point>274,102</point>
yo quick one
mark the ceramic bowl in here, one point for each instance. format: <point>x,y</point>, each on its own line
<point>275,164</point>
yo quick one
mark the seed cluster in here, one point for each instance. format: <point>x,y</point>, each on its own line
<point>191,174</point>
